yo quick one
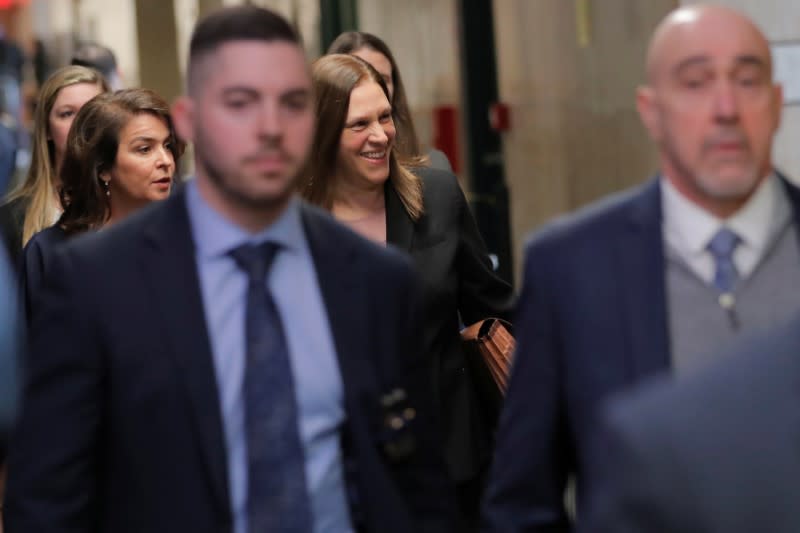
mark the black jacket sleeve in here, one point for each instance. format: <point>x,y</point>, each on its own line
<point>52,460</point>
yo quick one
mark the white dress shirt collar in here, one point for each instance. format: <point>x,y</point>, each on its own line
<point>688,228</point>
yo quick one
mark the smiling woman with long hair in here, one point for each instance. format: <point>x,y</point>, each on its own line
<point>376,52</point>
<point>356,173</point>
<point>120,155</point>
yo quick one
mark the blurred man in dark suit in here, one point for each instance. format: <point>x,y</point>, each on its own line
<point>716,453</point>
<point>10,353</point>
<point>8,151</point>
<point>10,343</point>
<point>101,58</point>
<point>657,278</point>
<point>231,360</point>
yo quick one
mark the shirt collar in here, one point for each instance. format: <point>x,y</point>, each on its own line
<point>767,212</point>
<point>215,236</point>
<point>764,213</point>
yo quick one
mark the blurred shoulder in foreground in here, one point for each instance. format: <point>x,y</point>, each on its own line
<point>712,453</point>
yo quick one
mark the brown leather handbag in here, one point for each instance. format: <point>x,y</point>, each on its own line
<point>489,346</point>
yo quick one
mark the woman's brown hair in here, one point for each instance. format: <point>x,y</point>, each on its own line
<point>92,146</point>
<point>334,78</point>
<point>406,142</point>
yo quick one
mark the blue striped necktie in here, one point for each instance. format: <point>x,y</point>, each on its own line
<point>277,499</point>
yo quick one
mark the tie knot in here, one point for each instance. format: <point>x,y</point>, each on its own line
<point>723,244</point>
<point>255,260</point>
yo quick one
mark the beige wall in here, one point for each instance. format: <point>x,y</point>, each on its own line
<point>575,133</point>
<point>53,22</point>
<point>156,38</point>
<point>304,14</point>
<point>112,23</point>
<point>423,36</point>
<point>780,21</point>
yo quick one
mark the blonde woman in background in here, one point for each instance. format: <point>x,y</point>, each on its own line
<point>34,204</point>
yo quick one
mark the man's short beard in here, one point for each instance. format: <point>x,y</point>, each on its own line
<point>737,189</point>
<point>217,178</point>
<point>709,185</point>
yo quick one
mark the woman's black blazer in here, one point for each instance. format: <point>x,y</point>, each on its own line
<point>458,281</point>
<point>12,216</point>
<point>36,259</point>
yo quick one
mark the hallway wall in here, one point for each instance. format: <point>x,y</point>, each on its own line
<point>570,79</point>
<point>425,48</point>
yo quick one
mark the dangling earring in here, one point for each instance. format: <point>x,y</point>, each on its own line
<point>107,188</point>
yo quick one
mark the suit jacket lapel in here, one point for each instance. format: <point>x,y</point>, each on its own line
<point>640,250</point>
<point>346,303</point>
<point>399,226</point>
<point>793,193</point>
<point>169,265</point>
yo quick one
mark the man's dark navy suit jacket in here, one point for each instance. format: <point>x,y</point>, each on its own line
<point>591,321</point>
<point>121,427</point>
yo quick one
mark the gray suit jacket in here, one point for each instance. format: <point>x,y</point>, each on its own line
<point>718,452</point>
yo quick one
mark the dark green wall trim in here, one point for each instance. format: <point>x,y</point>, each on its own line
<point>484,147</point>
<point>336,16</point>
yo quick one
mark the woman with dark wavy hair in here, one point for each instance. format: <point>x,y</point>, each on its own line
<point>357,174</point>
<point>121,154</point>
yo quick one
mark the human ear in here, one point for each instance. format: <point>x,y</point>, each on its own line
<point>183,118</point>
<point>647,107</point>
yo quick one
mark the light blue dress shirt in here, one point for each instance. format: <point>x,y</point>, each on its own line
<point>315,369</point>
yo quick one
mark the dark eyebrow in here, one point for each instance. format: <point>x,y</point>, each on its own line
<point>232,91</point>
<point>301,92</point>
<point>355,120</point>
<point>756,61</point>
<point>291,94</point>
<point>142,138</point>
<point>387,109</point>
<point>146,139</point>
<point>690,62</point>
<point>742,60</point>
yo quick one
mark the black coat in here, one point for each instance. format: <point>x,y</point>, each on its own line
<point>121,428</point>
<point>458,279</point>
<point>36,259</point>
<point>12,215</point>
